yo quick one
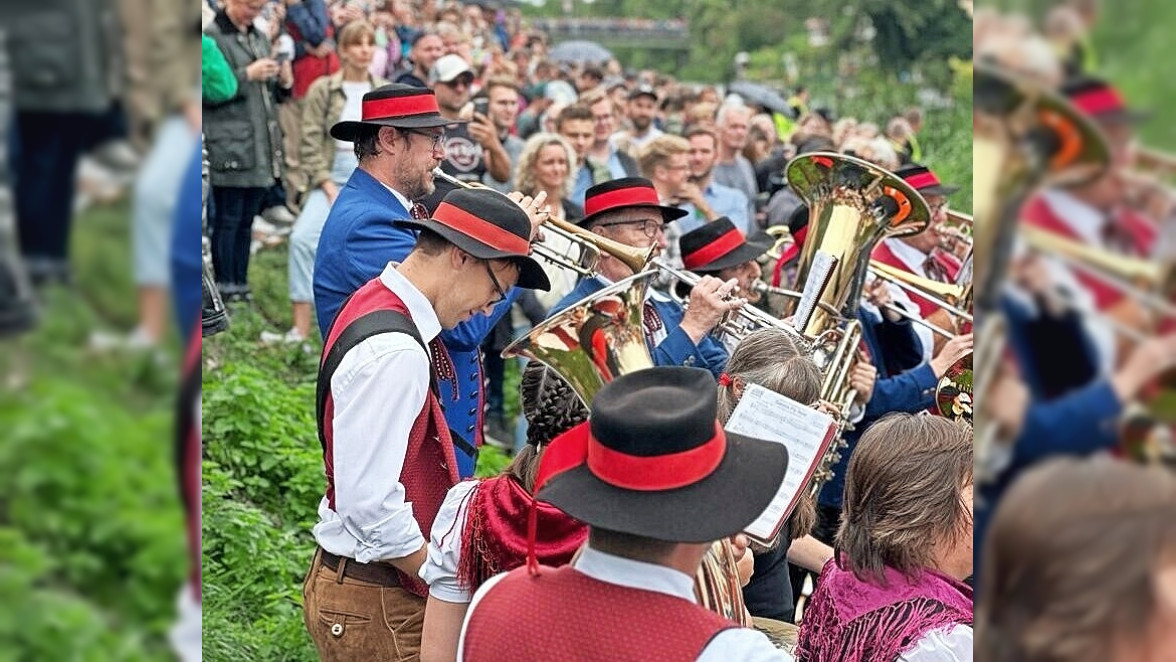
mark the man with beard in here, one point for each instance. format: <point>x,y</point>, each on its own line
<point>399,142</point>
<point>641,110</point>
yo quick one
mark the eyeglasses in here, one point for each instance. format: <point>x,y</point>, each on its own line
<point>438,138</point>
<point>497,287</point>
<point>649,227</point>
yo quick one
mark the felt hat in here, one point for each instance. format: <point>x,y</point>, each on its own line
<point>717,245</point>
<point>622,194</point>
<point>652,460</point>
<point>489,226</point>
<point>396,105</point>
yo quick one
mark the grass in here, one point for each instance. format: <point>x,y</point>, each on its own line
<point>91,532</point>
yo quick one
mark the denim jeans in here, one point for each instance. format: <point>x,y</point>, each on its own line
<point>305,237</point>
<point>157,188</point>
<point>232,227</point>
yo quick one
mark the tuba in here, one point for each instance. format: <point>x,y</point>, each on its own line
<point>853,204</point>
<point>594,340</point>
<point>1023,135</point>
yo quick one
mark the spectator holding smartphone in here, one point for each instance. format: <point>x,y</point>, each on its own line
<point>243,140</point>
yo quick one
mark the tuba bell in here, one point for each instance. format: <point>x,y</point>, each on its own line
<point>595,340</point>
<point>853,204</point>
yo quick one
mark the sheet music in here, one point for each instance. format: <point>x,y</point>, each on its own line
<point>804,431</point>
<point>814,287</point>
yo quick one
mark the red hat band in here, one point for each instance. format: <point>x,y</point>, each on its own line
<point>1099,101</point>
<point>478,228</point>
<point>403,106</point>
<point>655,473</point>
<point>723,244</point>
<point>636,196</point>
<point>922,180</point>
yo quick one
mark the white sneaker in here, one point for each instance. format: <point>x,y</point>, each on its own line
<point>135,341</point>
<point>279,215</point>
<point>291,337</point>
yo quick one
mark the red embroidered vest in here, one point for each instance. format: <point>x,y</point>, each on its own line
<point>586,620</point>
<point>430,467</point>
<point>1038,213</point>
<point>950,264</point>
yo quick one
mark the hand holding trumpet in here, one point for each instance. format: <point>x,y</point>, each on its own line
<point>710,301</point>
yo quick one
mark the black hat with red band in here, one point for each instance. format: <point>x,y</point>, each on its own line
<point>489,226</point>
<point>653,461</point>
<point>716,246</point>
<point>1098,99</point>
<point>924,180</point>
<point>622,194</point>
<point>396,105</point>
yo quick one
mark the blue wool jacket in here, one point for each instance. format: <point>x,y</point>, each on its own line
<point>677,348</point>
<point>1083,421</point>
<point>911,390</point>
<point>357,242</point>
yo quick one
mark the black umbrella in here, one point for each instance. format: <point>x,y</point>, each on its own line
<point>580,51</point>
<point>757,94</point>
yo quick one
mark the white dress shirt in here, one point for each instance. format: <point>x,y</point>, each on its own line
<point>378,390</point>
<point>914,260</point>
<point>743,644</point>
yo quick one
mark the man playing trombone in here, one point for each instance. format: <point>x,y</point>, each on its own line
<point>628,211</point>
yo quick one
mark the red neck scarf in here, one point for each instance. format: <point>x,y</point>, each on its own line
<point>495,536</point>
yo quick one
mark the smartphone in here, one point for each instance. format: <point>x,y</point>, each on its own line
<point>482,105</point>
<point>281,56</point>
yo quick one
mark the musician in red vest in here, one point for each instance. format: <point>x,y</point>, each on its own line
<point>657,480</point>
<point>1096,213</point>
<point>921,254</point>
<point>387,449</point>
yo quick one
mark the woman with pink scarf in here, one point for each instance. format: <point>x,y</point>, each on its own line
<point>894,589</point>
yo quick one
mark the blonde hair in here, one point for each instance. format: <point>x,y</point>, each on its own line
<point>658,152</point>
<point>525,170</point>
<point>354,33</point>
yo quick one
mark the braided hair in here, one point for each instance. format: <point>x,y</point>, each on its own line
<point>551,408</point>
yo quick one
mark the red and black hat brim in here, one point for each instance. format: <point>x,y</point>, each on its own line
<point>531,274</point>
<point>748,251</point>
<point>938,189</point>
<point>625,193</point>
<point>667,213</point>
<point>350,130</point>
<point>722,504</point>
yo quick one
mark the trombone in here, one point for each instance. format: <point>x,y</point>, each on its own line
<point>944,295</point>
<point>589,244</point>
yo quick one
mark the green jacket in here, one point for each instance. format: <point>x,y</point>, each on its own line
<point>322,109</point>
<point>242,134</point>
<point>65,55</point>
<point>217,82</point>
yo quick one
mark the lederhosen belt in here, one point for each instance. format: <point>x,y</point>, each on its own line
<point>383,574</point>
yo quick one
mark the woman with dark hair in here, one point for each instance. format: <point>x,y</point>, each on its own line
<point>894,589</point>
<point>481,529</point>
<point>1080,564</point>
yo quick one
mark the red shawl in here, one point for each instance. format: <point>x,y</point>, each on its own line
<point>494,539</point>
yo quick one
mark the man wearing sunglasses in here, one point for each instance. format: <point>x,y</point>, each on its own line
<point>629,211</point>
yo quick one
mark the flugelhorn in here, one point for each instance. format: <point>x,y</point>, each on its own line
<point>589,244</point>
<point>944,295</point>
